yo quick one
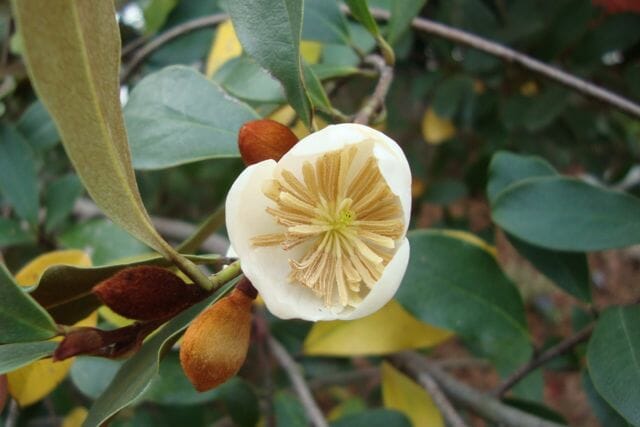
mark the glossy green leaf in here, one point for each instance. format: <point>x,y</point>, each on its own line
<point>156,13</point>
<point>37,127</point>
<point>65,290</point>
<point>92,375</point>
<point>459,286</point>
<point>243,78</point>
<point>569,215</point>
<point>172,387</point>
<point>324,22</point>
<point>289,411</point>
<point>14,356</point>
<point>72,50</point>
<point>18,177</point>
<point>135,375</point>
<point>59,199</point>
<point>402,13</point>
<point>21,318</point>
<point>613,358</point>
<point>12,233</point>
<point>374,418</point>
<point>177,116</point>
<point>569,270</point>
<point>606,414</point>
<point>103,240</point>
<point>270,32</point>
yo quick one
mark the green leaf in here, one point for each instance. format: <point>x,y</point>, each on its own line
<point>324,22</point>
<point>543,109</point>
<point>21,318</point>
<point>606,414</point>
<point>242,77</point>
<point>177,116</point>
<point>73,58</point>
<point>402,13</point>
<point>613,358</point>
<point>536,408</point>
<point>270,33</point>
<point>135,375</point>
<point>156,13</point>
<point>568,215</point>
<point>171,386</point>
<point>450,95</point>
<point>459,286</point>
<point>14,356</point>
<point>241,402</point>
<point>360,11</point>
<point>18,177</point>
<point>12,233</point>
<point>38,128</point>
<point>59,199</point>
<point>569,270</point>
<point>331,71</point>
<point>288,411</point>
<point>65,290</point>
<point>374,418</point>
<point>103,240</point>
<point>92,375</point>
<point>316,91</point>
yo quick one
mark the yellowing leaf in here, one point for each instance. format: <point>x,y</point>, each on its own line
<point>224,47</point>
<point>75,418</point>
<point>30,273</point>
<point>399,392</point>
<point>436,129</point>
<point>33,382</point>
<point>473,239</point>
<point>310,51</point>
<point>388,330</point>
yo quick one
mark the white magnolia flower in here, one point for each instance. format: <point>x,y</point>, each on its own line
<point>321,233</point>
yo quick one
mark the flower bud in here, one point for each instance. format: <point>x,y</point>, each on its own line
<point>215,345</point>
<point>147,293</point>
<point>265,139</point>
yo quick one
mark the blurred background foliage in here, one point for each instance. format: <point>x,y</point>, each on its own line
<point>452,108</point>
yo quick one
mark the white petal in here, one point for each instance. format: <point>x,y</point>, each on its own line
<point>385,288</point>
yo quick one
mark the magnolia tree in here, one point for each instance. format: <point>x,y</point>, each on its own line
<point>388,206</point>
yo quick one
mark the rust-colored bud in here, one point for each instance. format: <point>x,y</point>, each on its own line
<point>264,139</point>
<point>4,391</point>
<point>215,345</point>
<point>147,293</point>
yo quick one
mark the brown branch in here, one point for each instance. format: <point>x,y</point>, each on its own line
<point>316,418</point>
<point>376,101</point>
<point>551,353</point>
<point>510,55</point>
<point>426,380</point>
<point>484,405</point>
<point>177,31</point>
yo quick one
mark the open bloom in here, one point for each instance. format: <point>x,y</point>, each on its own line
<point>321,233</point>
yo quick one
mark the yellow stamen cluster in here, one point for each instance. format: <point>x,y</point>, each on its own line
<point>351,220</point>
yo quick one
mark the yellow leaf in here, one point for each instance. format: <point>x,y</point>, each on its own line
<point>33,382</point>
<point>388,330</point>
<point>30,273</point>
<point>436,129</point>
<point>473,239</point>
<point>75,418</point>
<point>399,392</point>
<point>225,46</point>
<point>310,51</point>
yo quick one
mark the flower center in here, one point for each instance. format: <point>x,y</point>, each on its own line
<point>350,221</point>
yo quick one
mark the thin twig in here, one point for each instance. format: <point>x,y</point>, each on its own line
<point>12,415</point>
<point>527,62</point>
<point>484,405</point>
<point>299,385</point>
<point>437,395</point>
<point>553,352</point>
<point>376,101</point>
<point>178,30</point>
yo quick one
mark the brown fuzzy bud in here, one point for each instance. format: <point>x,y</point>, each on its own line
<point>4,391</point>
<point>215,345</point>
<point>147,293</point>
<point>264,139</point>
